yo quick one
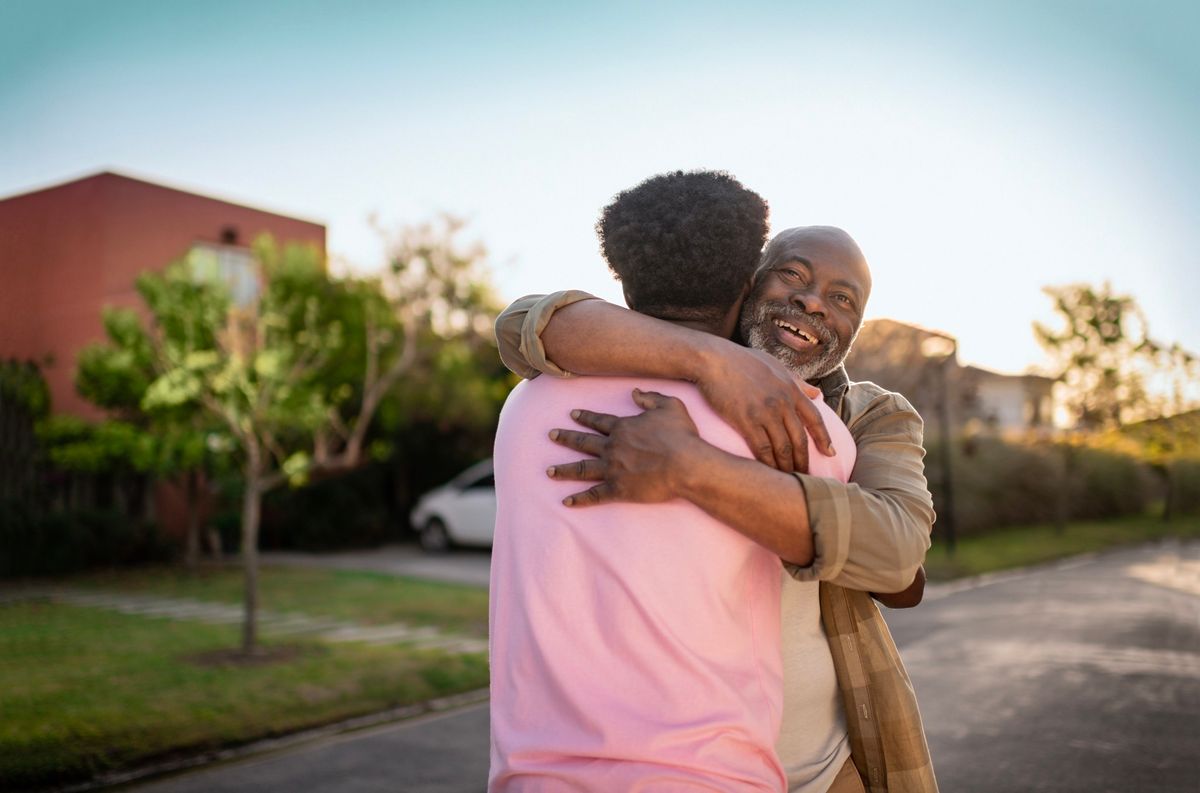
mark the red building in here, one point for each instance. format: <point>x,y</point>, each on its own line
<point>67,251</point>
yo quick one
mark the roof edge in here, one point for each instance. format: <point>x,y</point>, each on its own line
<point>152,182</point>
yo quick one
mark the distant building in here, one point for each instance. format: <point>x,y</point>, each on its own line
<point>1005,403</point>
<point>923,365</point>
<point>68,251</point>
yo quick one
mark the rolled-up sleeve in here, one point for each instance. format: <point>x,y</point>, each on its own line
<point>519,330</point>
<point>872,533</point>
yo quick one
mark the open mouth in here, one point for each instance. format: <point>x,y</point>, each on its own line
<point>795,335</point>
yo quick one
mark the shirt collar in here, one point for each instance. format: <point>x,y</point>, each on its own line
<point>833,386</point>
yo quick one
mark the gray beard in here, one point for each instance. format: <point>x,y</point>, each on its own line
<point>759,329</point>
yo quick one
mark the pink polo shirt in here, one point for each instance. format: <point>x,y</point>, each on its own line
<point>634,647</point>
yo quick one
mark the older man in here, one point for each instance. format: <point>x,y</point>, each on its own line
<point>866,535</point>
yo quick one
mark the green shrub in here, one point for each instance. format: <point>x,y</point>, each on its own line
<point>34,543</point>
<point>347,511</point>
<point>1107,484</point>
<point>1183,487</point>
<point>1006,483</point>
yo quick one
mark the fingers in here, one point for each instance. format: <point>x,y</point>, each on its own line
<point>584,442</point>
<point>586,470</point>
<point>781,448</point>
<point>799,438</point>
<point>600,494</point>
<point>650,400</point>
<point>600,422</point>
<point>808,413</point>
<point>760,445</point>
<point>809,390</point>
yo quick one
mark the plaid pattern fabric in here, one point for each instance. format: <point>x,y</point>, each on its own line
<point>887,740</point>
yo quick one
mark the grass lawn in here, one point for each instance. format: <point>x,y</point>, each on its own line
<point>1025,545</point>
<point>84,690</point>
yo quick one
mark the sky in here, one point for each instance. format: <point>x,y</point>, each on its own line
<point>977,152</point>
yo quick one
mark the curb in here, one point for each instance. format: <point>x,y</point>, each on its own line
<point>268,746</point>
<point>941,589</point>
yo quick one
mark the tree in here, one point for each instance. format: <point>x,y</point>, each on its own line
<point>179,442</point>
<point>1112,371</point>
<point>297,374</point>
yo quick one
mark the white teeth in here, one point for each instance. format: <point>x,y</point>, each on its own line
<point>797,331</point>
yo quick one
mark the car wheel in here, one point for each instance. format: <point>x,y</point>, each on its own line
<point>434,537</point>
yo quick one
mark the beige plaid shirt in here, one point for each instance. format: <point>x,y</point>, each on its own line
<point>870,535</point>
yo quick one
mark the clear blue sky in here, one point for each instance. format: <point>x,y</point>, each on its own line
<point>976,153</point>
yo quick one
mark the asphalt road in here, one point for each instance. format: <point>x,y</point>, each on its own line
<point>1081,677</point>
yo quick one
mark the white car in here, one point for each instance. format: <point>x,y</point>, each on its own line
<point>460,512</point>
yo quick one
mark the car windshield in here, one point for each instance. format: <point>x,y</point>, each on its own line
<point>474,476</point>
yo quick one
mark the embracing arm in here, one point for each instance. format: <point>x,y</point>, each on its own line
<point>572,332</point>
<point>872,533</point>
<point>658,455</point>
<point>756,500</point>
<point>567,332</point>
<point>519,328</point>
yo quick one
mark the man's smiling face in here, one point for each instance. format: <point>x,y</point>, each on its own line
<point>808,299</point>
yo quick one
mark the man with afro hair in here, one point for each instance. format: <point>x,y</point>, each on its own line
<point>681,243</point>
<point>637,646</point>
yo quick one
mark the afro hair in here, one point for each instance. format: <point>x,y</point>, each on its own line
<point>684,245</point>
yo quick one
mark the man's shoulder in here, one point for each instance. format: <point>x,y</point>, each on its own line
<point>864,399</point>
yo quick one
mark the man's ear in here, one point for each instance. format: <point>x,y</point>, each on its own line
<point>733,317</point>
<point>746,290</point>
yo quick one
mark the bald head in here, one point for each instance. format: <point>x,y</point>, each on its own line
<point>828,242</point>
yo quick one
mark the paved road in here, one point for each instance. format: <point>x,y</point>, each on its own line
<point>1083,677</point>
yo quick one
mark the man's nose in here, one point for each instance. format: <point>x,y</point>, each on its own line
<point>808,302</point>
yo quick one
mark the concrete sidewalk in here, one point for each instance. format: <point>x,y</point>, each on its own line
<point>460,566</point>
<point>271,623</point>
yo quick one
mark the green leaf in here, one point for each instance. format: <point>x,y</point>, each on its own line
<point>176,387</point>
<point>296,468</point>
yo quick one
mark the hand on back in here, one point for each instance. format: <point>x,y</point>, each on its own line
<point>767,405</point>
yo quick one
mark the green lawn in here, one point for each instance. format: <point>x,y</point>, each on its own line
<point>1026,545</point>
<point>84,690</point>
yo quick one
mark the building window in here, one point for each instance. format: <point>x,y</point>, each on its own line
<point>227,264</point>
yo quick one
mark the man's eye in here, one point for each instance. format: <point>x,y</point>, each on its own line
<point>790,273</point>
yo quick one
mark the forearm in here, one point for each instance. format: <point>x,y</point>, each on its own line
<point>863,539</point>
<point>765,505</point>
<point>593,337</point>
<point>570,333</point>
<point>872,533</point>
<point>518,328</point>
